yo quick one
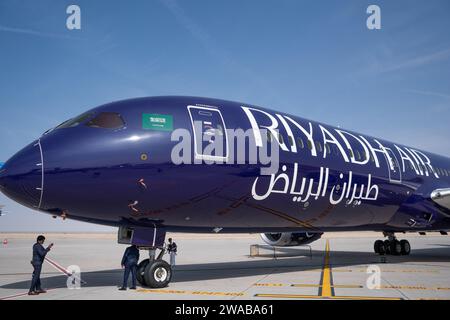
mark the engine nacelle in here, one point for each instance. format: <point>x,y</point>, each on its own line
<point>290,239</point>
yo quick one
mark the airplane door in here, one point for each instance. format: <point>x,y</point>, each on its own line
<point>395,174</point>
<point>210,136</point>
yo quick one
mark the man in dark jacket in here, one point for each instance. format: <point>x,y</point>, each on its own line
<point>39,253</point>
<point>129,262</point>
<point>172,249</point>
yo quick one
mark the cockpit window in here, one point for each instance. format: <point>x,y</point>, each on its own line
<point>75,121</point>
<point>107,120</point>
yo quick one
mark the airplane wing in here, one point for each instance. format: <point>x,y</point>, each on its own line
<point>441,197</point>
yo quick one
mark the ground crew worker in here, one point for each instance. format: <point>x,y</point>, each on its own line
<point>172,249</point>
<point>130,261</point>
<point>39,253</point>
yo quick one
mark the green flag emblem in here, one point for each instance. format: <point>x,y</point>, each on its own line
<point>151,121</point>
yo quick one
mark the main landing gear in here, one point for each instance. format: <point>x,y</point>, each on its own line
<point>154,273</point>
<point>392,246</point>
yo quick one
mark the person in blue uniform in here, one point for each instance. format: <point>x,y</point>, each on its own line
<point>129,262</point>
<point>39,253</point>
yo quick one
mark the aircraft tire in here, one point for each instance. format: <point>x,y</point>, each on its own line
<point>395,248</point>
<point>140,272</point>
<point>387,246</point>
<point>158,274</point>
<point>406,247</point>
<point>377,245</point>
<point>382,249</point>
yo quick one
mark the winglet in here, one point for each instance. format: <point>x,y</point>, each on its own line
<point>441,197</point>
<point>2,164</point>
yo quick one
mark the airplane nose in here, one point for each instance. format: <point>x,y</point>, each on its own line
<point>21,177</point>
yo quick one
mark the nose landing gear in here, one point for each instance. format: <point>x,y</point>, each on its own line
<point>392,246</point>
<point>154,273</point>
<point>158,274</point>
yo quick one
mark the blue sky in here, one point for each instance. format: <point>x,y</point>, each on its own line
<point>315,59</point>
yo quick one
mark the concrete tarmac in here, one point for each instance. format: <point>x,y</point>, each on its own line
<point>340,266</point>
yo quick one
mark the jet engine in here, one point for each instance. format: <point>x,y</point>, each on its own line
<point>290,239</point>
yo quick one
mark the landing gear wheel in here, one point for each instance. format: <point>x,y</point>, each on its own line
<point>158,274</point>
<point>141,271</point>
<point>395,248</point>
<point>382,248</point>
<point>405,247</point>
<point>387,246</point>
<point>377,246</point>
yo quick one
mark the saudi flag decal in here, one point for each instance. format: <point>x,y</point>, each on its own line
<point>162,122</point>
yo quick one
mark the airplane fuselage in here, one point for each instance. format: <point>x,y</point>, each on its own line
<point>328,178</point>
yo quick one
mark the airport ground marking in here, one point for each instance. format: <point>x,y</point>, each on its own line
<point>312,285</point>
<point>388,270</point>
<point>26,274</point>
<point>197,292</point>
<point>19,295</point>
<point>300,296</point>
<point>14,296</point>
<point>363,270</point>
<point>269,285</point>
<point>309,285</point>
<point>352,286</point>
<point>326,280</point>
<point>326,286</point>
<point>405,287</point>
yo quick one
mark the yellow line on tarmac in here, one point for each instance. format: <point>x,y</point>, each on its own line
<point>356,286</point>
<point>286,296</point>
<point>309,285</point>
<point>364,298</point>
<point>348,286</point>
<point>416,288</point>
<point>306,285</point>
<point>269,285</point>
<point>342,286</point>
<point>326,273</point>
<point>204,293</point>
<point>299,296</point>
<point>388,270</point>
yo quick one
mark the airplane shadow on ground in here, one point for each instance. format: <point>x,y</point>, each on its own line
<point>287,261</point>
